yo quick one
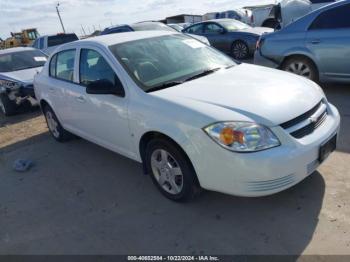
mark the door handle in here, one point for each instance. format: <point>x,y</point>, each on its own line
<point>51,89</point>
<point>315,41</point>
<point>81,99</point>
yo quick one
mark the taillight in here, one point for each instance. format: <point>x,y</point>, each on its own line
<point>259,43</point>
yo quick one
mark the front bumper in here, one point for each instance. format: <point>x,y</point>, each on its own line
<point>265,172</point>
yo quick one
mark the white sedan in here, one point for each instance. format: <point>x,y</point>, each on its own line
<point>190,114</point>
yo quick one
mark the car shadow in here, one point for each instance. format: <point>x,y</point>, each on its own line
<point>82,199</point>
<point>339,95</point>
<point>24,112</point>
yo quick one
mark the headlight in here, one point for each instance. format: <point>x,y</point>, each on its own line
<point>242,136</point>
<point>9,84</point>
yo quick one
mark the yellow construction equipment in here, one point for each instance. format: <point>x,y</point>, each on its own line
<point>23,38</point>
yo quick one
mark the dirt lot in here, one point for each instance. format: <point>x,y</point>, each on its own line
<point>82,199</point>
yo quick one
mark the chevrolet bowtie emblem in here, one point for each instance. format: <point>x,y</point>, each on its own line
<point>313,119</point>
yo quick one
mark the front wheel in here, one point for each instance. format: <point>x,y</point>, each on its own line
<point>55,127</point>
<point>7,106</point>
<point>171,171</point>
<point>240,50</point>
<point>301,66</point>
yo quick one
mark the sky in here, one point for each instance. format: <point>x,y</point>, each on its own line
<point>98,14</point>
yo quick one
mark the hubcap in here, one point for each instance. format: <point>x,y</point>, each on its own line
<point>52,123</point>
<point>240,50</point>
<point>299,68</point>
<point>167,171</point>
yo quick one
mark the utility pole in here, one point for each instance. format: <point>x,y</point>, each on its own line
<point>83,30</point>
<point>59,16</point>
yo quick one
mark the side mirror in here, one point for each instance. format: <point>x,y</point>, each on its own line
<point>105,87</point>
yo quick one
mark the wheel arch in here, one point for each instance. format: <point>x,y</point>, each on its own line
<point>149,136</point>
<point>302,55</point>
<point>44,103</point>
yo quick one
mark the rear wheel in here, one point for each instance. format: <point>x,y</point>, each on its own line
<point>55,128</point>
<point>171,171</point>
<point>7,106</point>
<point>301,66</point>
<point>240,50</point>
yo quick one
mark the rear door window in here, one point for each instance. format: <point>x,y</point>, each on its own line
<point>334,18</point>
<point>62,65</point>
<point>41,43</point>
<point>61,39</point>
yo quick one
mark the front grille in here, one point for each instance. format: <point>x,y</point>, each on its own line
<point>306,123</point>
<point>302,117</point>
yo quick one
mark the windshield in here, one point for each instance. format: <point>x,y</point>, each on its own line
<point>156,61</point>
<point>176,27</point>
<point>233,25</point>
<point>21,60</point>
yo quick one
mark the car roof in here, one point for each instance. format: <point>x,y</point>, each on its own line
<point>113,39</point>
<point>115,26</point>
<point>15,50</point>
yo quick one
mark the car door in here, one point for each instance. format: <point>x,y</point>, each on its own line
<point>61,74</point>
<point>101,118</point>
<point>328,38</point>
<point>217,36</point>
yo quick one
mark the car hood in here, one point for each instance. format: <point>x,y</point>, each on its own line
<point>257,30</point>
<point>25,76</point>
<point>264,95</point>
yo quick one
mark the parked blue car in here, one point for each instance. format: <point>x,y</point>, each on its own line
<point>229,36</point>
<point>316,46</point>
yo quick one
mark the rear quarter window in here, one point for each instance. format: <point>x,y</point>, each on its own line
<point>335,18</point>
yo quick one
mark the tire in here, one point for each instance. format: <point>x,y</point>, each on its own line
<point>301,66</point>
<point>55,127</point>
<point>240,50</point>
<point>167,164</point>
<point>7,107</point>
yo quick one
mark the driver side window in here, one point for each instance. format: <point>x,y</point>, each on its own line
<point>94,67</point>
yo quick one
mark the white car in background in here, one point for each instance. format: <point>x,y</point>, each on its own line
<point>194,117</point>
<point>283,13</point>
<point>17,69</point>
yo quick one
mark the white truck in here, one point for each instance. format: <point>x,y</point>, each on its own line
<point>284,12</point>
<point>240,14</point>
<point>49,43</point>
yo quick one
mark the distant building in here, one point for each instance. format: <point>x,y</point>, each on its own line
<point>183,19</point>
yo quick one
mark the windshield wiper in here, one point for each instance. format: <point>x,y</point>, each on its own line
<point>175,83</point>
<point>164,86</point>
<point>203,73</point>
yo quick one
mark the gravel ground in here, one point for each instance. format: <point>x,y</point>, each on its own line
<point>82,199</point>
